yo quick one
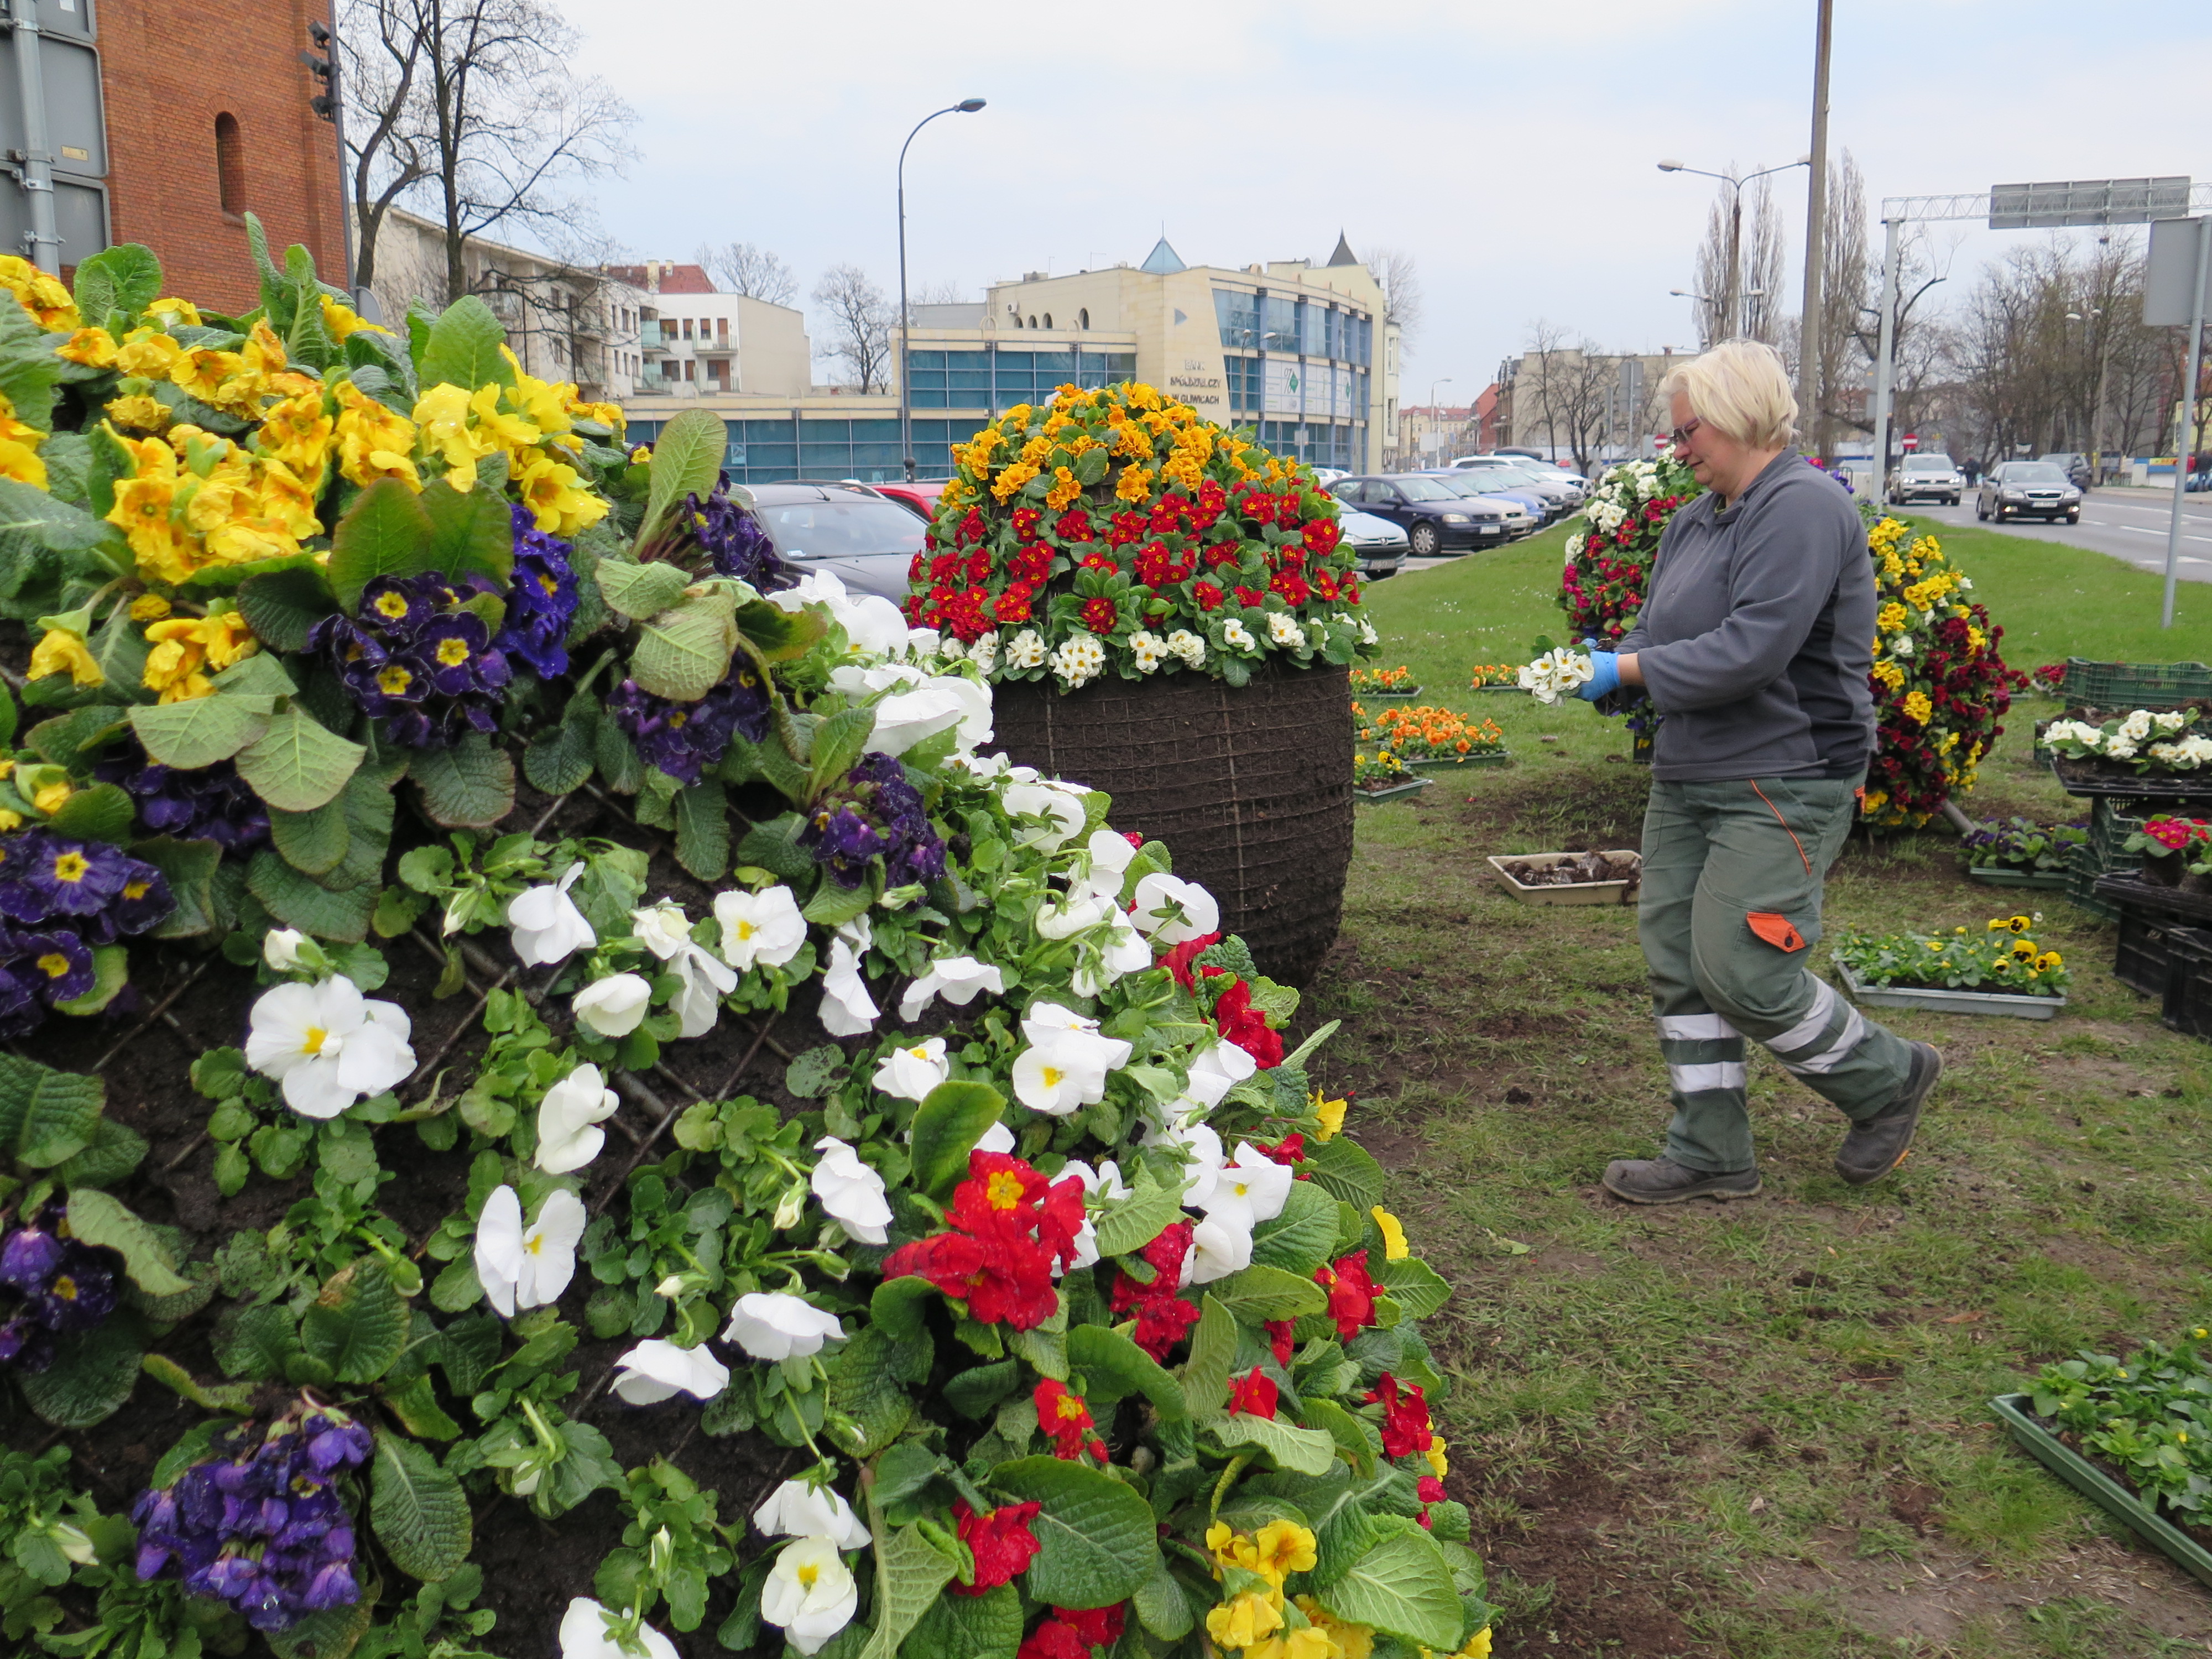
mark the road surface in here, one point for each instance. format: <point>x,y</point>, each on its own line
<point>2129,524</point>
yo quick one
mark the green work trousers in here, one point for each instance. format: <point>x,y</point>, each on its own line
<point>1729,911</point>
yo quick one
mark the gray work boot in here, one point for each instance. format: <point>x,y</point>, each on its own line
<point>1878,1145</point>
<point>1662,1181</point>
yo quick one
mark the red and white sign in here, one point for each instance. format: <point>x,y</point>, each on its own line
<point>1911,441</point>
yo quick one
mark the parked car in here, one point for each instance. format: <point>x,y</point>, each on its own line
<point>1546,501</point>
<point>1547,472</point>
<point>2076,467</point>
<point>1511,470</point>
<point>1523,512</point>
<point>854,530</point>
<point>1436,517</point>
<point>1379,545</point>
<point>1925,478</point>
<point>922,495</point>
<point>2029,489</point>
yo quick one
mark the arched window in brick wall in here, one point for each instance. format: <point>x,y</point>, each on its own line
<point>229,163</point>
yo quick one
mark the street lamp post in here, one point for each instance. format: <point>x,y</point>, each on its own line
<point>1707,299</point>
<point>2104,369</point>
<point>1433,414</point>
<point>965,106</point>
<point>1730,318</point>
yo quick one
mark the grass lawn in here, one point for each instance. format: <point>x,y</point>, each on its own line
<point>1759,1430</point>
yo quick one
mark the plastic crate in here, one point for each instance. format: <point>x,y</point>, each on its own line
<point>2144,956</point>
<point>2102,855</point>
<point>2135,684</point>
<point>2189,982</point>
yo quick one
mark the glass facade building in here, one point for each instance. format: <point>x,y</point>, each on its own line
<point>994,380</point>
<point>803,446</point>
<point>1301,369</point>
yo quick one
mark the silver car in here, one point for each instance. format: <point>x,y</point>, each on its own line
<point>2029,489</point>
<point>1380,546</point>
<point>1926,478</point>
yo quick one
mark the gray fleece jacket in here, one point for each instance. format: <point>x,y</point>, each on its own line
<point>1757,634</point>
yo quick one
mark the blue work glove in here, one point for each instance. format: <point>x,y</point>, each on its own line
<point>1607,679</point>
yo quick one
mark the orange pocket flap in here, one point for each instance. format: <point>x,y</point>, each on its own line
<point>1776,930</point>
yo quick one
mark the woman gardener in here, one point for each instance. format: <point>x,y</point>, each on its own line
<point>1754,642</point>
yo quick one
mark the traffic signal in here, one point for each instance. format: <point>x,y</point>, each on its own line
<point>324,68</point>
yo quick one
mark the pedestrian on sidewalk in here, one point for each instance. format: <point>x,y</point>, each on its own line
<point>1755,642</point>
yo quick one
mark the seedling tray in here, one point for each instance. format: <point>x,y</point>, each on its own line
<point>2053,879</point>
<point>1515,691</point>
<point>1410,691</point>
<point>1580,892</point>
<point>1944,1001</point>
<point>1411,786</point>
<point>2100,1489</point>
<point>1443,764</point>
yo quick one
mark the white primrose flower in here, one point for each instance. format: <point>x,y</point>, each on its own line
<point>613,1007</point>
<point>527,1268</point>
<point>2117,748</point>
<point>1251,1188</point>
<point>795,1509</point>
<point>1149,649</point>
<point>665,931</point>
<point>2172,719</point>
<point>1234,633</point>
<point>2137,727</point>
<point>328,1045</point>
<point>568,1119</point>
<point>280,948</point>
<point>810,1593</point>
<point>1078,660</point>
<point>958,980</point>
<point>911,1071</point>
<point>1283,629</point>
<point>847,1008</point>
<point>984,653</point>
<point>1065,1064</point>
<point>586,1633</point>
<point>1554,676</point>
<point>1170,911</point>
<point>658,1369</point>
<point>775,1325</point>
<point>1190,646</point>
<point>1062,808</point>
<point>763,928</point>
<point>544,925</point>
<point>1026,650</point>
<point>852,1193</point>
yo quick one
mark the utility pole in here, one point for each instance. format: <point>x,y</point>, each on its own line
<point>1731,316</point>
<point>44,241</point>
<point>1812,423</point>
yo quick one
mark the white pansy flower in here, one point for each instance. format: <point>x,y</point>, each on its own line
<point>958,980</point>
<point>996,1138</point>
<point>328,1044</point>
<point>544,925</point>
<point>910,1071</point>
<point>795,1509</point>
<point>658,1369</point>
<point>587,1632</point>
<point>1070,913</point>
<point>1172,911</point>
<point>613,1007</point>
<point>280,948</point>
<point>928,642</point>
<point>665,931</point>
<point>568,1119</point>
<point>1065,1065</point>
<point>1124,952</point>
<point>1251,1186</point>
<point>1111,852</point>
<point>1105,1181</point>
<point>852,1193</point>
<point>1026,650</point>
<point>809,1593</point>
<point>1214,1070</point>
<point>847,1008</point>
<point>1220,1245</point>
<point>1201,1148</point>
<point>521,1267</point>
<point>764,928</point>
<point>1062,809</point>
<point>774,1325</point>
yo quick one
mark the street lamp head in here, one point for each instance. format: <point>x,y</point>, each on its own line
<point>1802,161</point>
<point>1670,166</point>
<point>2073,316</point>
<point>968,106</point>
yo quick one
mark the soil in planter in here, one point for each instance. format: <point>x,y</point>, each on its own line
<point>2196,1532</point>
<point>1590,866</point>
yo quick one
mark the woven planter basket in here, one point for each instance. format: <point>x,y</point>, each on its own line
<point>1250,788</point>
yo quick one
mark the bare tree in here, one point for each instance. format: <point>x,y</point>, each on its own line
<point>1844,283</point>
<point>472,108</point>
<point>942,293</point>
<point>860,321</point>
<point>1758,270</point>
<point>1573,393</point>
<point>1394,271</point>
<point>751,269</point>
<point>1765,266</point>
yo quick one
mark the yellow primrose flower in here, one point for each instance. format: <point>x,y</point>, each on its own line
<point>1295,1644</point>
<point>300,432</point>
<point>149,354</point>
<point>93,347</point>
<point>550,490</point>
<point>1394,1234</point>
<point>1347,1640</point>
<point>373,442</point>
<point>1282,1548</point>
<point>210,376</point>
<point>1241,1622</point>
<point>138,413</point>
<point>1435,1454</point>
<point>1478,1647</point>
<point>19,450</point>
<point>1331,1114</point>
<point>184,646</point>
<point>63,652</point>
<point>50,796</point>
<point>174,310</point>
<point>46,299</point>
<point>443,429</point>
<point>1229,1547</point>
<point>498,428</point>
<point>148,607</point>
<point>338,321</point>
<point>142,505</point>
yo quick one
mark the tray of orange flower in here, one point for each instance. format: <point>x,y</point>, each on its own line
<point>1425,737</point>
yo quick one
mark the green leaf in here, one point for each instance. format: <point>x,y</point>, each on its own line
<point>110,972</point>
<point>1414,1286</point>
<point>34,525</point>
<point>208,1396</point>
<point>200,731</point>
<point>92,1373</point>
<point>417,1407</point>
<point>103,812</point>
<point>261,675</point>
<point>297,764</point>
<point>256,1343</point>
<point>300,901</point>
<point>358,1324</point>
<point>470,785</point>
<point>1308,1451</point>
<point>1095,1536</point>
<point>949,1122</point>
<point>1342,1426</point>
<point>98,1218</point>
<point>418,1510</point>
<point>472,533</point>
<point>312,843</point>
<point>368,807</point>
<point>384,532</point>
<point>126,277</point>
<point>1133,1221</point>
<point>1213,1352</point>
<point>640,591</point>
<point>1260,1294</point>
<point>838,742</point>
<point>282,607</point>
<point>703,830</point>
<point>1160,1605</point>
<point>986,1626</point>
<point>682,654</point>
<point>463,348</point>
<point>46,1116</point>
<point>333,1633</point>
<point>865,1389</point>
<point>559,758</point>
<point>911,1570</point>
<point>973,1393</point>
<point>833,906</point>
<point>114,1151</point>
<point>1298,1240</point>
<point>1114,1367</point>
<point>687,460</point>
<point>1342,1166</point>
<point>779,635</point>
<point>588,1464</point>
<point>898,1305</point>
<point>1402,1586</point>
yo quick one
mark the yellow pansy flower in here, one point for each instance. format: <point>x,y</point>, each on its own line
<point>1917,708</point>
<point>1331,1114</point>
<point>1242,1621</point>
<point>1394,1234</point>
<point>63,652</point>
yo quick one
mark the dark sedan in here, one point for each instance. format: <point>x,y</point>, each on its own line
<point>1436,517</point>
<point>2029,489</point>
<point>866,539</point>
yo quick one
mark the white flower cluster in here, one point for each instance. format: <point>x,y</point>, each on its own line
<point>2145,737</point>
<point>1553,677</point>
<point>1078,660</point>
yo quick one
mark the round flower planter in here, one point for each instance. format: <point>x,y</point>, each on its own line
<point>1251,787</point>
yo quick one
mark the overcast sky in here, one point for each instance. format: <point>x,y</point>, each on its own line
<point>1509,147</point>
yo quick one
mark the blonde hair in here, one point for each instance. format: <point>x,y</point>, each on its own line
<point>1741,388</point>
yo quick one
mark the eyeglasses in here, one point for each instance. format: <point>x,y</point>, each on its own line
<point>1680,435</point>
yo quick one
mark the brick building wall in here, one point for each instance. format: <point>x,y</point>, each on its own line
<point>167,77</point>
